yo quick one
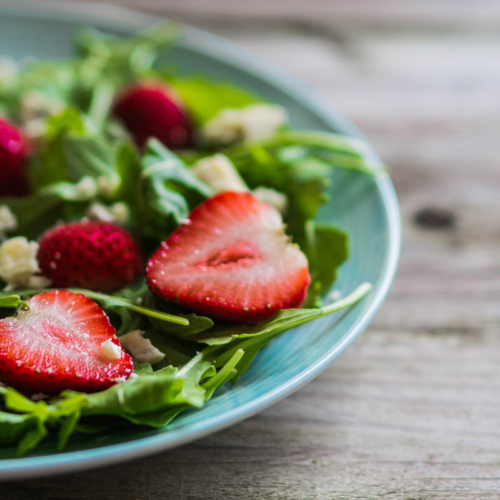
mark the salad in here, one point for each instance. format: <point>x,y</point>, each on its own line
<point>157,231</point>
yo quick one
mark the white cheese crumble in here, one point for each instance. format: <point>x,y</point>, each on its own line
<point>251,123</point>
<point>133,376</point>
<point>38,282</point>
<point>118,213</point>
<point>107,186</point>
<point>140,348</point>
<point>274,198</point>
<point>110,350</point>
<point>219,173</point>
<point>18,261</point>
<point>8,220</point>
<point>35,105</point>
<point>86,187</point>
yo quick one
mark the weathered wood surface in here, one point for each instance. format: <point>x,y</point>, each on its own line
<point>412,410</point>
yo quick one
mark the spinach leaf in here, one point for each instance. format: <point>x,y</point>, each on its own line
<point>168,191</point>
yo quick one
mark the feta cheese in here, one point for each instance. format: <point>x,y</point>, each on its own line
<point>133,376</point>
<point>251,123</point>
<point>107,186</point>
<point>38,282</point>
<point>35,130</point>
<point>99,212</point>
<point>8,220</point>
<point>140,348</point>
<point>118,213</point>
<point>86,187</point>
<point>274,198</point>
<point>110,350</point>
<point>18,260</point>
<point>36,105</point>
<point>219,173</point>
<point>261,121</point>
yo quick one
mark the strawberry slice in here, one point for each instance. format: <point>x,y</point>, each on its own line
<point>56,344</point>
<point>151,109</point>
<point>231,262</point>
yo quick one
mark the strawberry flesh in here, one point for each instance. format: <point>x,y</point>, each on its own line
<point>231,262</point>
<point>14,150</point>
<point>151,109</point>
<point>93,255</point>
<point>56,345</point>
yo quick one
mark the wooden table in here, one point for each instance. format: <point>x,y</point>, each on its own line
<point>411,411</point>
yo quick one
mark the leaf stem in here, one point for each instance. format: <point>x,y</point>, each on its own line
<point>350,300</point>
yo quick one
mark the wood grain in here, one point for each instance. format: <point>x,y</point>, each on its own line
<point>411,411</point>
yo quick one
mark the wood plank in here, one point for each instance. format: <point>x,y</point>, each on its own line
<point>427,13</point>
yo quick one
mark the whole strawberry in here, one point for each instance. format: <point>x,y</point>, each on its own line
<point>93,255</point>
<point>231,261</point>
<point>151,109</point>
<point>14,150</point>
<point>60,340</point>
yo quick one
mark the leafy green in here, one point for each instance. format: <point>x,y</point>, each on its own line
<point>299,164</point>
<point>205,98</point>
<point>10,301</point>
<point>197,323</point>
<point>168,190</point>
<point>326,248</point>
<point>74,150</point>
<point>154,398</point>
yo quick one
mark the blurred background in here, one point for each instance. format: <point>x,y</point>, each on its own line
<point>411,410</point>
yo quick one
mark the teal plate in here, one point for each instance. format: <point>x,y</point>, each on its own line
<point>365,207</point>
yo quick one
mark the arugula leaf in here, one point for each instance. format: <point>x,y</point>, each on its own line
<point>283,320</point>
<point>252,339</point>
<point>111,301</point>
<point>73,151</point>
<point>326,248</point>
<point>168,191</point>
<point>10,301</point>
<point>197,323</point>
<point>299,164</point>
<point>205,98</point>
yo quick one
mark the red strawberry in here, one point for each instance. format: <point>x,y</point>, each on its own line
<point>56,344</point>
<point>232,262</point>
<point>93,255</point>
<point>14,151</point>
<point>151,109</point>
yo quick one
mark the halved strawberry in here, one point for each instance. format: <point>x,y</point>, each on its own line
<point>231,262</point>
<point>151,109</point>
<point>94,255</point>
<point>56,344</point>
<point>14,150</point>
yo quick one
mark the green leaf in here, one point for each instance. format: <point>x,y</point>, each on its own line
<point>109,301</point>
<point>197,323</point>
<point>205,98</point>
<point>73,151</point>
<point>299,164</point>
<point>326,248</point>
<point>10,301</point>
<point>168,191</point>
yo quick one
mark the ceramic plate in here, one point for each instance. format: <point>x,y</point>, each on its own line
<point>364,206</point>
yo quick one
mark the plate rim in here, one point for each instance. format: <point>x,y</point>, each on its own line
<point>131,20</point>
